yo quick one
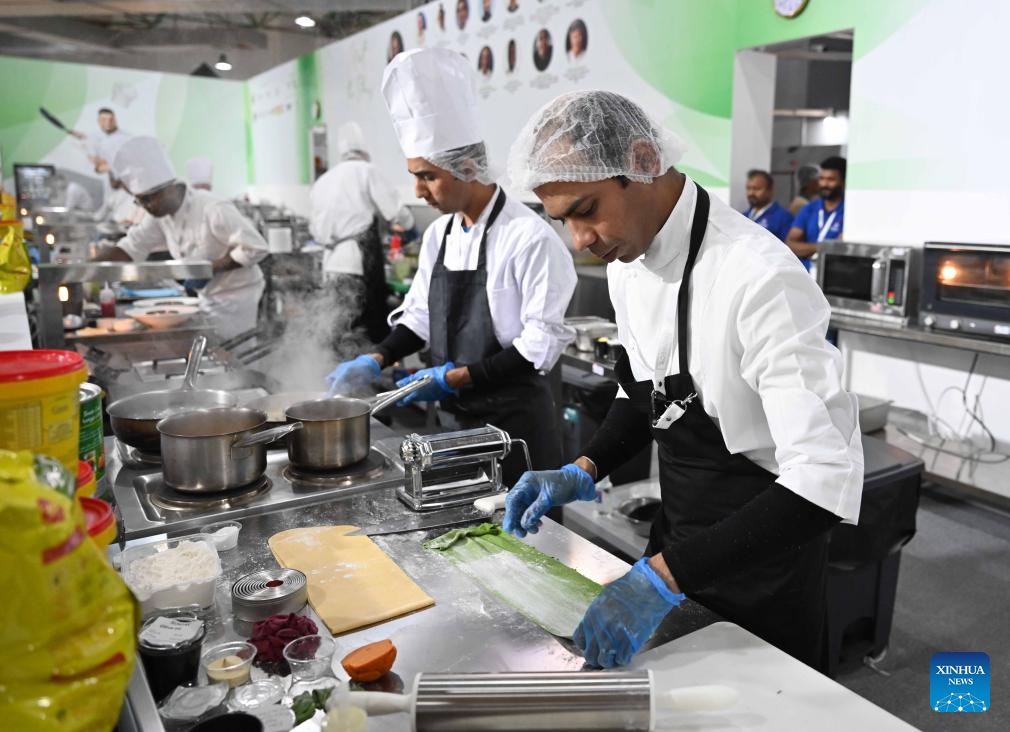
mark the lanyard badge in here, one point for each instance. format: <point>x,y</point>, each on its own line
<point>665,413</point>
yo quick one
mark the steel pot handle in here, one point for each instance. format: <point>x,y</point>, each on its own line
<point>386,398</point>
<point>193,362</point>
<point>270,435</point>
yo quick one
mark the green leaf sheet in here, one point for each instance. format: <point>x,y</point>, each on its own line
<point>551,594</point>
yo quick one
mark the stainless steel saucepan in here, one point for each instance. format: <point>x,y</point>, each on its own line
<point>336,431</point>
<point>134,419</point>
<point>215,450</point>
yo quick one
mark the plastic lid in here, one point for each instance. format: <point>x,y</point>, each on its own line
<point>37,364</point>
<point>98,514</point>
<point>169,632</point>
<point>85,473</point>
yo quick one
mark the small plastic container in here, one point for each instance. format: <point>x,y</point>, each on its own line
<point>256,695</point>
<point>86,485</point>
<point>100,520</point>
<point>169,645</point>
<point>230,663</point>
<point>310,657</point>
<point>196,591</point>
<point>224,534</point>
<point>187,704</point>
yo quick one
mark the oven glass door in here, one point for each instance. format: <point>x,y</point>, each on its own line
<point>848,276</point>
<point>972,281</point>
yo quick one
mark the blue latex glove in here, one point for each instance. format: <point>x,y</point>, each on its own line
<point>436,389</point>
<point>539,491</point>
<point>353,374</point>
<point>624,616</point>
<point>192,285</point>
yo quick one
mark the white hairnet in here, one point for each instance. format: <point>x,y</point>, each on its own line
<point>588,136</point>
<point>350,140</point>
<point>467,163</point>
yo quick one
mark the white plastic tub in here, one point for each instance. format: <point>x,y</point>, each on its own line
<point>160,593</point>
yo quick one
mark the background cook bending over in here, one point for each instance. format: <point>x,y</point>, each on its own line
<point>727,369</point>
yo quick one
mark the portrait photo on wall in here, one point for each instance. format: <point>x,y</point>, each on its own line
<point>422,26</point>
<point>577,39</point>
<point>543,49</point>
<point>513,6</point>
<point>395,45</point>
<point>485,62</point>
<point>462,13</point>
<point>440,17</point>
<point>486,10</point>
<point>511,55</point>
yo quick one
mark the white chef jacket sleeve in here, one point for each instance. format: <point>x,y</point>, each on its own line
<point>386,200</point>
<point>143,239</point>
<point>245,244</point>
<point>413,313</point>
<point>546,277</point>
<point>781,325</point>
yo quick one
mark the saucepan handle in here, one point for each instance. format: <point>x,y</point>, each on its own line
<point>386,398</point>
<point>193,362</point>
<point>271,435</point>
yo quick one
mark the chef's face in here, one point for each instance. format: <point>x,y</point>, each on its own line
<point>832,185</point>
<point>107,122</point>
<point>437,186</point>
<point>603,216</point>
<point>163,201</point>
<point>758,192</point>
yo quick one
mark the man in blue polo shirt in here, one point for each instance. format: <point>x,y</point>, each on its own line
<point>764,210</point>
<point>824,217</point>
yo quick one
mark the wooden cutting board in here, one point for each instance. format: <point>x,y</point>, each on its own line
<point>352,582</point>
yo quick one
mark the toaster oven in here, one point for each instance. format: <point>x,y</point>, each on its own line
<point>869,280</point>
<point>966,288</point>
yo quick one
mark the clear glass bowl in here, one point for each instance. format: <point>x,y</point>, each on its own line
<point>310,657</point>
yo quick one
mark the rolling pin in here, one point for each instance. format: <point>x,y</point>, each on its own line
<point>539,702</point>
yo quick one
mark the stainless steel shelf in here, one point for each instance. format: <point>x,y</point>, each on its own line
<point>919,334</point>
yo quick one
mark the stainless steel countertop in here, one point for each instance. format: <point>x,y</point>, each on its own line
<point>467,630</point>
<point>586,361</point>
<point>920,334</point>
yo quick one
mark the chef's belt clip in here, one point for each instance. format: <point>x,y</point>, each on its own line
<point>665,412</point>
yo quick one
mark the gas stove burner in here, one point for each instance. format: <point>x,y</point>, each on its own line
<point>370,468</point>
<point>166,497</point>
<point>133,456</point>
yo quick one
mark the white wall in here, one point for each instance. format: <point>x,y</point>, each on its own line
<point>753,107</point>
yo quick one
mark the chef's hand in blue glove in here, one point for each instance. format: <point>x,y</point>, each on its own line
<point>353,374</point>
<point>624,616</point>
<point>436,389</point>
<point>538,491</point>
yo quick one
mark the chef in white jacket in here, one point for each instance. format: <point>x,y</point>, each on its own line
<point>493,280</point>
<point>346,201</point>
<point>192,225</point>
<point>727,370</point>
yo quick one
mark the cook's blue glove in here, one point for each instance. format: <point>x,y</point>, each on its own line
<point>624,616</point>
<point>353,374</point>
<point>436,389</point>
<point>538,491</point>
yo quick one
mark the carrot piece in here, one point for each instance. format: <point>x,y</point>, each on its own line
<point>370,662</point>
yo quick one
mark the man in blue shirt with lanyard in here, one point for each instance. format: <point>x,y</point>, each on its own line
<point>822,218</point>
<point>764,209</point>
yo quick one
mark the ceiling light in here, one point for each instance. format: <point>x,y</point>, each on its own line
<point>222,64</point>
<point>304,21</point>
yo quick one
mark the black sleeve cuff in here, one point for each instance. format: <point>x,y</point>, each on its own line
<point>623,434</point>
<point>497,368</point>
<point>776,521</point>
<point>400,342</point>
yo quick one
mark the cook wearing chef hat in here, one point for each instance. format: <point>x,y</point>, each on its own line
<point>346,202</point>
<point>493,279</point>
<point>193,225</point>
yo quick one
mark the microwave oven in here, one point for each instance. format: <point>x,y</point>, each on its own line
<point>966,288</point>
<point>869,280</point>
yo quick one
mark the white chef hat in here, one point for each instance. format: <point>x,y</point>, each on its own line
<point>350,139</point>
<point>431,97</point>
<point>200,171</point>
<point>142,165</point>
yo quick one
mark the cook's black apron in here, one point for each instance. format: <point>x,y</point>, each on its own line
<point>373,315</point>
<point>461,331</point>
<point>782,600</point>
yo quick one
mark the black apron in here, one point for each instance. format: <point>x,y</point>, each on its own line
<point>462,331</point>
<point>375,310</point>
<point>701,482</point>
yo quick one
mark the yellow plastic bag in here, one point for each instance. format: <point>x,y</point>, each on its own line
<point>15,266</point>
<point>68,639</point>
